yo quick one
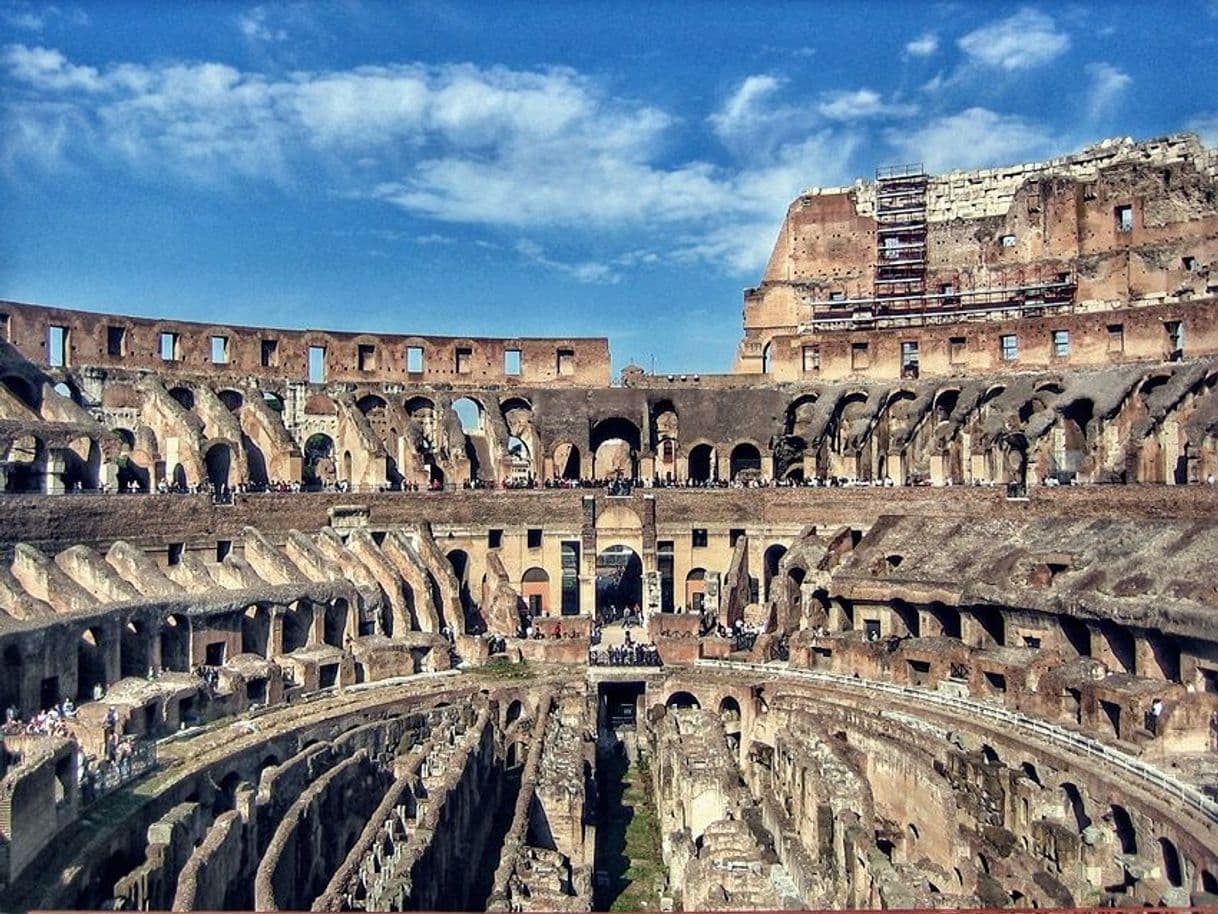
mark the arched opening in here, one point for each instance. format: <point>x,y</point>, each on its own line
<point>297,623</point>
<point>695,590</point>
<point>184,396</point>
<point>1173,872</point>
<point>1126,834</point>
<point>514,710</point>
<point>619,580</point>
<point>232,400</point>
<point>459,560</point>
<point>702,463</point>
<point>682,700</point>
<point>519,458</point>
<point>134,650</point>
<point>27,462</point>
<point>471,414</point>
<point>11,674</point>
<point>729,710</point>
<point>273,401</point>
<point>177,478</point>
<point>336,620</point>
<point>23,390</point>
<point>566,461</point>
<point>67,391</point>
<point>745,461</point>
<point>767,358</point>
<point>219,460</point>
<point>535,591</point>
<point>90,663</point>
<point>175,643</point>
<point>1030,772</point>
<point>1075,809</point>
<point>615,449</point>
<point>255,630</point>
<point>81,464</point>
<point>771,560</point>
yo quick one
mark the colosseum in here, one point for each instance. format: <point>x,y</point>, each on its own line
<point>914,608</point>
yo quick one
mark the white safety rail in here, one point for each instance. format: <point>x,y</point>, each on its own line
<point>1059,736</point>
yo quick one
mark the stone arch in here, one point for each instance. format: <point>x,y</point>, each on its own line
<point>619,578</point>
<point>218,459</point>
<point>682,699</point>
<point>256,630</point>
<point>175,643</point>
<point>68,391</point>
<point>1074,806</point>
<point>27,463</point>
<point>695,589</point>
<point>183,396</point>
<point>23,390</point>
<point>566,461</point>
<point>702,465</point>
<point>319,404</point>
<point>90,662</point>
<point>1173,869</point>
<point>12,674</point>
<point>771,559</point>
<point>729,708</point>
<point>233,400</point>
<point>535,590</point>
<point>297,625</point>
<point>319,466</point>
<point>336,622</point>
<point>1123,828</point>
<point>615,444</point>
<point>514,711</point>
<point>471,413</point>
<point>459,560</point>
<point>135,657</point>
<point>745,459</point>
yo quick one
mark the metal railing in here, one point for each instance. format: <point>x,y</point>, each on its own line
<point>1059,736</point>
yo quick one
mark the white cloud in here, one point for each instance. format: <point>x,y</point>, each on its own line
<point>973,138</point>
<point>434,238</point>
<point>255,25</point>
<point>925,45</point>
<point>31,18</point>
<point>857,104</point>
<point>584,272</point>
<point>1026,39</point>
<point>1106,85</point>
<point>459,144</point>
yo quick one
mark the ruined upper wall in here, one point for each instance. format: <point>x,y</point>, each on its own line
<point>117,341</point>
<point>1120,225</point>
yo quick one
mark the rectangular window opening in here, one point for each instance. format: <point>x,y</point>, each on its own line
<point>170,349</point>
<point>175,552</point>
<point>317,364</point>
<point>534,538</point>
<point>1175,339</point>
<point>565,362</point>
<point>4,328</point>
<point>464,360</point>
<point>1189,264</point>
<point>1007,241</point>
<point>1116,337</point>
<point>57,346</point>
<point>697,538</point>
<point>1123,217</point>
<point>223,548</point>
<point>366,357</point>
<point>219,350</point>
<point>837,296</point>
<point>511,362</point>
<point>494,538</point>
<point>116,341</point>
<point>270,354</point>
<point>956,347</point>
<point>811,359</point>
<point>1009,346</point>
<point>909,359</point>
<point>733,535</point>
<point>414,359</point>
<point>860,356</point>
<point>1061,344</point>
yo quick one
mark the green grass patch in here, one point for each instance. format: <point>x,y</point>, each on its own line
<point>503,669</point>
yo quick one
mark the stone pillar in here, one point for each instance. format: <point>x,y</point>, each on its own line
<point>938,469</point>
<point>52,478</point>
<point>710,596</point>
<point>587,577</point>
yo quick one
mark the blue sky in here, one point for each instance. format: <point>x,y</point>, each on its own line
<point>601,169</point>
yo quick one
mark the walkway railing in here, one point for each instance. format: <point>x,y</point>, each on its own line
<point>1051,733</point>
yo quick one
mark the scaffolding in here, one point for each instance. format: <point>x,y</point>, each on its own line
<point>900,237</point>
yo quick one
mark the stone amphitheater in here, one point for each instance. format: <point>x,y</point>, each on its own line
<point>915,608</point>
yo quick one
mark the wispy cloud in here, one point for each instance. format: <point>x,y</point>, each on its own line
<point>973,138</point>
<point>257,24</point>
<point>588,271</point>
<point>925,45</point>
<point>1027,39</point>
<point>1106,85</point>
<point>31,18</point>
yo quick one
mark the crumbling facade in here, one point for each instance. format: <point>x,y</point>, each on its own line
<point>305,620</point>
